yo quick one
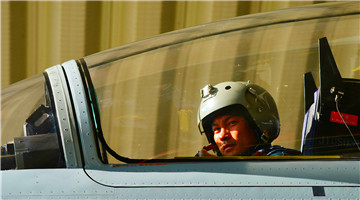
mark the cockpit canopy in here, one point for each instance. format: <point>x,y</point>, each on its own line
<point>141,100</point>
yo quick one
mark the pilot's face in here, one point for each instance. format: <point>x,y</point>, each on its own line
<point>233,135</point>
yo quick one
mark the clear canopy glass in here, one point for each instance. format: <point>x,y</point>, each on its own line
<point>148,92</point>
<point>18,102</point>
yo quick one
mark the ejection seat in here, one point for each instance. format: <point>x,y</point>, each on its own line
<point>331,124</point>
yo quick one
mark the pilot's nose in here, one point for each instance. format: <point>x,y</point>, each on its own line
<point>224,134</point>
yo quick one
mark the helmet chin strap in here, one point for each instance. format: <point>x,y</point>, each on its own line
<point>263,140</point>
<point>265,137</point>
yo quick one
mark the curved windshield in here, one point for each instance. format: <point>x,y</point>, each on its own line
<point>18,101</point>
<point>149,98</point>
<point>28,126</point>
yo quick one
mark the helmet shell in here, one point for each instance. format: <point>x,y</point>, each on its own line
<point>255,101</point>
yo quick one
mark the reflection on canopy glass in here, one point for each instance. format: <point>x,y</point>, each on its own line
<point>149,100</point>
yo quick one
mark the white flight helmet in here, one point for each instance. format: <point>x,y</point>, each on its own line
<point>249,100</point>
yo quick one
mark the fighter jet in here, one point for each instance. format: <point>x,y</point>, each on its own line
<point>122,123</point>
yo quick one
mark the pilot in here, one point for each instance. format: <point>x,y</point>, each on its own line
<point>239,119</point>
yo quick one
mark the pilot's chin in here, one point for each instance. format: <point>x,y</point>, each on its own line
<point>228,153</point>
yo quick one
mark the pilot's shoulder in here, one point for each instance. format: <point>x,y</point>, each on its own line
<point>276,150</point>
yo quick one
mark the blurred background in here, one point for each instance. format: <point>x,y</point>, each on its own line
<point>36,35</point>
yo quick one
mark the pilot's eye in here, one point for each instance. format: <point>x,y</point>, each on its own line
<point>216,130</point>
<point>232,123</point>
